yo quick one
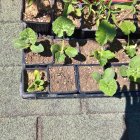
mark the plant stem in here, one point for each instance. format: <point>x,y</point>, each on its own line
<point>128,42</point>
<point>63,45</point>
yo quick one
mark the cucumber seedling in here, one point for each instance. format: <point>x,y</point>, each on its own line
<point>106,81</point>
<point>62,25</point>
<point>27,39</point>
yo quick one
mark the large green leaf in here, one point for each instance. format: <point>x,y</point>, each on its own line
<point>20,44</point>
<point>127,27</point>
<point>106,32</point>
<point>135,62</point>
<point>63,25</point>
<point>70,51</point>
<point>109,87</point>
<point>28,34</point>
<point>37,48</point>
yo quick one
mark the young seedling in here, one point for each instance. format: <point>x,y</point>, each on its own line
<point>27,39</point>
<point>70,6</point>
<point>132,71</point>
<point>128,27</point>
<point>62,25</point>
<point>105,33</point>
<point>37,84</point>
<point>106,81</point>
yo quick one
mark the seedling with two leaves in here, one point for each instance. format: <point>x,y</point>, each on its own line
<point>132,71</point>
<point>27,39</point>
<point>105,33</point>
<point>37,84</point>
<point>127,28</point>
<point>62,25</point>
<point>106,81</point>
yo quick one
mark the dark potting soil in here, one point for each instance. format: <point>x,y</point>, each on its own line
<point>88,21</point>
<point>62,79</point>
<point>40,58</point>
<point>86,48</point>
<point>39,11</point>
<point>87,83</point>
<point>29,79</point>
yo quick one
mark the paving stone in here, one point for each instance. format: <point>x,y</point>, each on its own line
<point>8,54</point>
<point>20,128</point>
<point>82,127</point>
<point>11,104</point>
<point>10,10</point>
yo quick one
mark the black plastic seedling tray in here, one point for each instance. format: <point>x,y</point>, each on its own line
<point>70,94</point>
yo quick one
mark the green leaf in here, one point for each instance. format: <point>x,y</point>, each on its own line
<point>78,12</point>
<point>36,74</point>
<point>134,74</point>
<point>131,50</point>
<point>109,87</point>
<point>109,74</point>
<point>20,44</point>
<point>70,51</point>
<point>96,76</point>
<point>55,48</point>
<point>135,62</point>
<point>63,25</point>
<point>40,88</point>
<point>60,57</point>
<point>103,61</point>
<point>108,54</point>
<point>29,35</point>
<point>123,71</point>
<point>31,88</point>
<point>70,9</point>
<point>127,27</point>
<point>37,49</point>
<point>106,32</point>
<point>103,56</point>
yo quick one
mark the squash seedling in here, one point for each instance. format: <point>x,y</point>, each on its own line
<point>128,27</point>
<point>27,39</point>
<point>62,25</point>
<point>105,33</point>
<point>37,84</point>
<point>106,81</point>
<point>132,71</point>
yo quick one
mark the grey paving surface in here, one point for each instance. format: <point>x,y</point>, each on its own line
<point>18,128</point>
<point>61,119</point>
<point>84,127</point>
